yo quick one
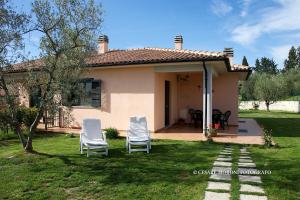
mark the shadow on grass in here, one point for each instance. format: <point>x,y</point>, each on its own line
<point>13,139</point>
<point>169,163</point>
<point>281,127</point>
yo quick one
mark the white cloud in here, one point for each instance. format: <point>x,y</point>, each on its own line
<point>220,7</point>
<point>280,53</point>
<point>282,18</point>
<point>245,9</point>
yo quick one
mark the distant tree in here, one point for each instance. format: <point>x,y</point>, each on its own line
<point>293,81</point>
<point>247,89</point>
<point>292,62</point>
<point>245,62</point>
<point>270,88</point>
<point>266,65</point>
<point>298,56</point>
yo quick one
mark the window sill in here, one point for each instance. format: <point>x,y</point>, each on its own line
<point>86,107</point>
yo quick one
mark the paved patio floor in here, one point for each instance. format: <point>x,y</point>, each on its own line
<point>247,132</point>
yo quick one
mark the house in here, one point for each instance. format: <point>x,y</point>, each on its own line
<point>159,83</point>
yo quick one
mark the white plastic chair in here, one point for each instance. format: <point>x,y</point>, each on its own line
<point>138,135</point>
<point>92,137</point>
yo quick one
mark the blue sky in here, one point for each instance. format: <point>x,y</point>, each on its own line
<point>254,28</point>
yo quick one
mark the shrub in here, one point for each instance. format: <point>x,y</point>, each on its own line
<point>24,116</point>
<point>268,139</point>
<point>4,120</point>
<point>111,133</point>
<point>29,115</point>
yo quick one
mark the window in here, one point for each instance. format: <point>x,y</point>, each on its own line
<point>87,93</point>
<point>35,96</point>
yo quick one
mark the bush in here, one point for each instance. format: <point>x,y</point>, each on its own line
<point>268,139</point>
<point>24,116</point>
<point>4,121</point>
<point>29,116</point>
<point>111,133</point>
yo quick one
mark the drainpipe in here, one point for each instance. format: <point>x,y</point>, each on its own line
<point>205,111</point>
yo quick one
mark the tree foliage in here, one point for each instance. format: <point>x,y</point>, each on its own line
<point>247,89</point>
<point>266,65</point>
<point>245,61</point>
<point>270,88</point>
<point>12,27</point>
<point>293,60</point>
<point>69,30</point>
<point>292,77</point>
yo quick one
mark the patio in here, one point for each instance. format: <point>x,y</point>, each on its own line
<point>247,132</point>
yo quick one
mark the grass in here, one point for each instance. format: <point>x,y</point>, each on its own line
<point>58,171</point>
<point>284,161</point>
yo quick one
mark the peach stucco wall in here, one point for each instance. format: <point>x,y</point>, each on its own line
<point>225,93</point>
<point>190,92</point>
<point>139,91</point>
<point>159,110</point>
<point>125,92</point>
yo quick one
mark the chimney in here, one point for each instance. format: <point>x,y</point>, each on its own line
<point>103,44</point>
<point>178,42</point>
<point>229,53</point>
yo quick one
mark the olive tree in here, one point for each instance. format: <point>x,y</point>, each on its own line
<point>270,88</point>
<point>12,27</point>
<point>247,88</point>
<point>69,31</point>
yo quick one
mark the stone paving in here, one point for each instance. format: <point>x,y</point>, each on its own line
<point>219,186</point>
<point>220,177</point>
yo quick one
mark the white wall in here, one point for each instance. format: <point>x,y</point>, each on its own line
<point>291,106</point>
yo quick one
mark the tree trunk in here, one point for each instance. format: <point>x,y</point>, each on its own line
<point>12,109</point>
<point>18,131</point>
<point>268,106</point>
<point>29,147</point>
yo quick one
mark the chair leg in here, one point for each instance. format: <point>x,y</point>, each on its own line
<point>81,150</point>
<point>106,151</point>
<point>147,147</point>
<point>88,152</point>
<point>129,148</point>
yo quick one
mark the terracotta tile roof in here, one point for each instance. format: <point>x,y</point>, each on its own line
<point>140,56</point>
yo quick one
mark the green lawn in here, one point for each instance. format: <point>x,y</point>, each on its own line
<point>283,161</point>
<point>58,171</point>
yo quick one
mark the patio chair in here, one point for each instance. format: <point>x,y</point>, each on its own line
<point>216,116</point>
<point>224,119</point>
<point>138,135</point>
<point>197,116</point>
<point>92,138</point>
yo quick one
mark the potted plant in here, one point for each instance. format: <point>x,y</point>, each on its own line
<point>213,131</point>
